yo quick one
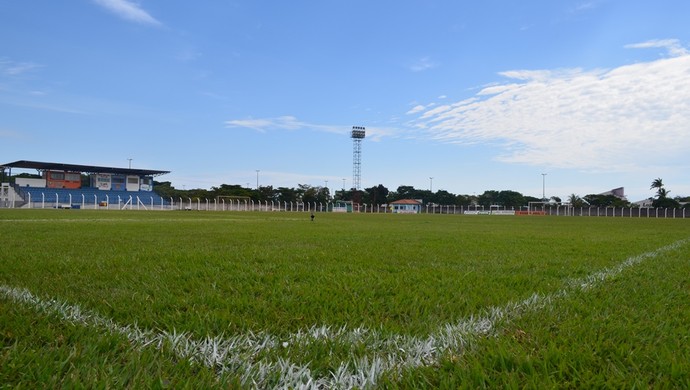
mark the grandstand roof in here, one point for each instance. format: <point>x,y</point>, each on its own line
<point>44,166</point>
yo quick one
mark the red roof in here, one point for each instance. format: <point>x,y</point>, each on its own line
<point>407,201</point>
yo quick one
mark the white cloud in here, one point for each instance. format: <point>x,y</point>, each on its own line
<point>291,123</point>
<point>584,6</point>
<point>261,125</point>
<point>422,64</point>
<point>419,108</point>
<point>13,68</point>
<point>672,46</point>
<point>619,119</point>
<point>416,109</point>
<point>128,11</point>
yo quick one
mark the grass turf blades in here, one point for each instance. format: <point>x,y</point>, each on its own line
<point>363,352</point>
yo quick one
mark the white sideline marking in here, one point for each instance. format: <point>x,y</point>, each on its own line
<point>136,220</point>
<point>239,354</point>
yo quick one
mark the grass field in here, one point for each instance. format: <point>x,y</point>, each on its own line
<point>219,299</point>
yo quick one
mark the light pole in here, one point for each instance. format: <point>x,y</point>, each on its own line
<point>130,163</point>
<point>343,184</point>
<point>257,179</point>
<point>431,180</point>
<point>543,186</point>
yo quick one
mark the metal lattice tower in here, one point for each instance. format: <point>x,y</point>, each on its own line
<point>357,136</point>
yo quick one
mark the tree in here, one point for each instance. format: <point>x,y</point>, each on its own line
<point>231,190</point>
<point>198,193</point>
<point>576,201</point>
<point>666,203</point>
<point>409,192</point>
<point>165,189</point>
<point>285,194</point>
<point>311,194</point>
<point>323,194</point>
<point>267,193</point>
<point>597,200</point>
<point>463,200</point>
<point>662,193</point>
<point>488,198</point>
<point>376,195</point>
<point>404,192</point>
<point>662,200</point>
<point>344,195</point>
<point>512,199</point>
<point>443,197</point>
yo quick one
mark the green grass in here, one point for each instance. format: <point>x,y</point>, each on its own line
<point>224,274</point>
<point>628,333</point>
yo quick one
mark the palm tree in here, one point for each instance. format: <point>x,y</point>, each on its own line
<point>575,200</point>
<point>657,183</point>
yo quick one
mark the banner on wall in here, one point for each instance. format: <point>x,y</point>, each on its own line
<point>492,212</point>
<point>103,181</point>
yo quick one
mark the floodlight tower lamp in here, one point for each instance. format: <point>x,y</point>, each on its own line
<point>358,133</point>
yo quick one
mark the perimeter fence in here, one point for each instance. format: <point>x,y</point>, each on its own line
<point>198,204</point>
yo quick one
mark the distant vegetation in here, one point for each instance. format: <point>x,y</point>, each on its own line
<point>662,199</point>
<point>379,195</point>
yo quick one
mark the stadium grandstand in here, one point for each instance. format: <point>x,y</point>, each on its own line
<point>77,186</point>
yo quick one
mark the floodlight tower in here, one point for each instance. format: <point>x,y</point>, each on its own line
<point>357,136</point>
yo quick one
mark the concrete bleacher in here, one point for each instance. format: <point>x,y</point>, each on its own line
<point>86,196</point>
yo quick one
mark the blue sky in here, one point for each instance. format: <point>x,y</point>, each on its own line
<point>482,95</point>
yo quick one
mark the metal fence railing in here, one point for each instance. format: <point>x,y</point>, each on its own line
<point>156,203</point>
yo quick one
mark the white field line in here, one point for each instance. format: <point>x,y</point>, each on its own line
<point>249,355</point>
<point>136,220</point>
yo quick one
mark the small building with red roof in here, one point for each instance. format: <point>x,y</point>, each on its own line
<point>406,206</point>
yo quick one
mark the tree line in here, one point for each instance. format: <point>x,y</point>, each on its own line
<point>380,195</point>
